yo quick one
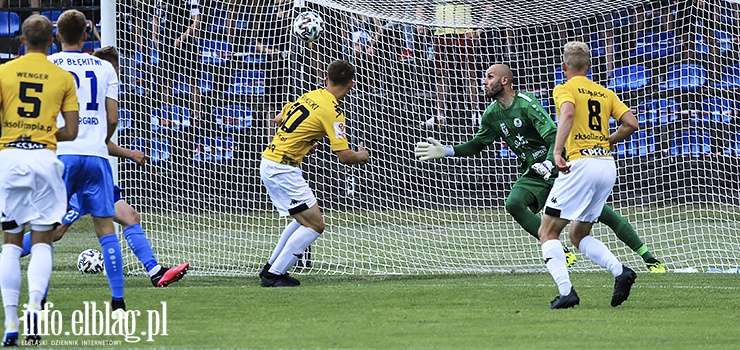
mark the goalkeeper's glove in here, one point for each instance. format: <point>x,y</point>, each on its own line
<point>543,168</point>
<point>432,150</point>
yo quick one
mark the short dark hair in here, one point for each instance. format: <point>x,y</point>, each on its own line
<point>341,72</point>
<point>72,26</point>
<point>37,32</point>
<point>107,53</point>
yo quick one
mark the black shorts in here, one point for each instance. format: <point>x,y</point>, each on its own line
<point>184,60</point>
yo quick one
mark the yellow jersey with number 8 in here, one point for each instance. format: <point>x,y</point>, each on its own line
<point>312,116</point>
<point>594,104</point>
<point>33,91</point>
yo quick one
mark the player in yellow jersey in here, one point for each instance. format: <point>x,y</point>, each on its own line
<point>304,122</point>
<point>586,178</point>
<point>32,93</point>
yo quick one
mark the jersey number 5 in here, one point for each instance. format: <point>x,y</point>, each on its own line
<point>33,100</point>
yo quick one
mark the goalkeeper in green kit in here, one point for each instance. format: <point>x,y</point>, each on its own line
<point>519,119</point>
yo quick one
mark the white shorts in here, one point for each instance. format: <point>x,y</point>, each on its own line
<point>288,190</point>
<point>32,190</point>
<point>581,194</point>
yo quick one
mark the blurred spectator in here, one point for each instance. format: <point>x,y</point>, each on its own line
<point>365,33</point>
<point>453,45</point>
<point>700,19</point>
<point>180,23</point>
<point>31,3</point>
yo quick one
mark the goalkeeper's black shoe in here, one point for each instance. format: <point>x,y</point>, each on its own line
<point>566,301</point>
<point>266,269</point>
<point>273,280</point>
<point>622,286</point>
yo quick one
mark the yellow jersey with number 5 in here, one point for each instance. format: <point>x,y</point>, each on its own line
<point>33,91</point>
<point>312,116</point>
<point>594,104</point>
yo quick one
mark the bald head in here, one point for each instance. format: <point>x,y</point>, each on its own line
<point>497,82</point>
<point>36,33</point>
<point>502,70</point>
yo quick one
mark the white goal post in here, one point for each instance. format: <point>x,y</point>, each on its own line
<point>203,113</point>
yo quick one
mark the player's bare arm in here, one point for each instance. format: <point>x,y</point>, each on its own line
<point>69,131</point>
<point>628,126</point>
<point>567,111</point>
<point>111,111</point>
<point>136,156</point>
<point>348,156</point>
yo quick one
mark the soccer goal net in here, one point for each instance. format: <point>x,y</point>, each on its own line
<point>203,80</point>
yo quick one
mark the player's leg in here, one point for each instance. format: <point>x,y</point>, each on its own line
<point>626,233</point>
<point>130,219</point>
<point>10,280</point>
<point>526,198</point>
<point>554,257</point>
<point>97,199</point>
<point>291,195</point>
<point>312,225</point>
<point>287,232</point>
<point>113,259</point>
<point>518,205</point>
<point>601,173</point>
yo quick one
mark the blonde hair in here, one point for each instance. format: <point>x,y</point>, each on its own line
<point>577,56</point>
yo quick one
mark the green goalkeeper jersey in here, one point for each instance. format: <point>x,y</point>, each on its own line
<point>525,126</point>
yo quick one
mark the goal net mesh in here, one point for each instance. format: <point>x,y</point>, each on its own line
<point>201,102</point>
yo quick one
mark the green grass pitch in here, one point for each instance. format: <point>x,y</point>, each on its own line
<point>465,311</point>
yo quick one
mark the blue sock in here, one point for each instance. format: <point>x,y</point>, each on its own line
<point>26,244</point>
<point>113,263</point>
<point>139,244</point>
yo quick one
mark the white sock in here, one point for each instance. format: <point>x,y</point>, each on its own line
<point>10,280</point>
<point>39,273</point>
<point>294,247</point>
<point>552,252</point>
<point>600,254</point>
<point>154,270</point>
<point>287,232</point>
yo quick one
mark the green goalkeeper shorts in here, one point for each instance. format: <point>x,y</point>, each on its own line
<point>537,186</point>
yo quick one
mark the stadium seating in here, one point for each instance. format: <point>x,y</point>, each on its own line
<point>52,15</point>
<point>724,40</point>
<point>124,120</point>
<point>91,46</point>
<point>654,45</point>
<point>627,78</point>
<point>52,49</point>
<point>205,83</point>
<point>219,21</point>
<point>659,111</point>
<point>160,151</point>
<point>10,24</point>
<point>719,110</point>
<point>730,78</point>
<point>216,52</point>
<point>217,149</point>
<point>645,142</point>
<point>559,77</point>
<point>247,83</point>
<point>690,143</point>
<point>734,149</point>
<point>685,77</point>
<point>234,118</point>
<point>170,118</point>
